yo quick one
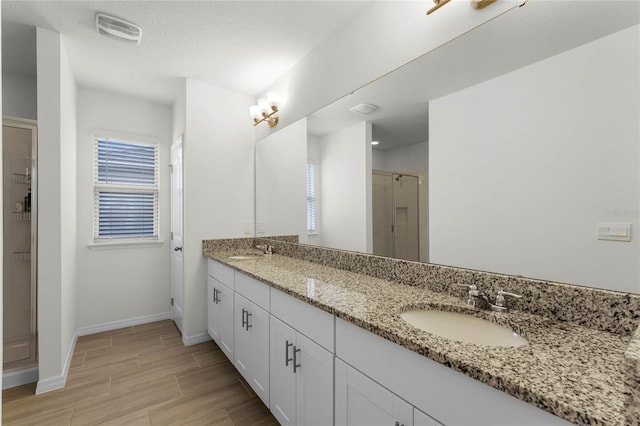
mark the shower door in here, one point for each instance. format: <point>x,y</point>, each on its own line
<point>396,219</point>
<point>19,226</point>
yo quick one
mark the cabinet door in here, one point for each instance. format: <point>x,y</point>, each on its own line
<point>282,379</point>
<point>421,419</point>
<point>314,383</point>
<point>251,352</point>
<point>223,317</point>
<point>361,401</point>
<point>210,310</point>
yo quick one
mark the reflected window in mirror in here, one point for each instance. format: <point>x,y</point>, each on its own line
<point>311,198</point>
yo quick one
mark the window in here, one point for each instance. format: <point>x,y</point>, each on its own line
<point>311,198</point>
<point>125,190</point>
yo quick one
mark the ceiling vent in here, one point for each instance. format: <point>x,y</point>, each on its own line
<point>364,108</point>
<point>118,29</point>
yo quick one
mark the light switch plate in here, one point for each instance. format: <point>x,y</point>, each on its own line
<point>614,231</point>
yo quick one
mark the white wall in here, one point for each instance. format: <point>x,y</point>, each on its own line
<point>56,200</point>
<point>122,283</point>
<point>382,37</point>
<point>218,185</point>
<point>281,176</point>
<point>346,188</point>
<point>19,98</point>
<point>68,200</point>
<point>523,167</point>
<point>403,159</point>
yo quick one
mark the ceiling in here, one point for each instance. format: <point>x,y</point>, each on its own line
<point>518,38</point>
<point>239,45</point>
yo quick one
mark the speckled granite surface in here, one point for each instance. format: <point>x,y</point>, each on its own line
<point>578,372</point>
<point>595,308</point>
<point>632,381</point>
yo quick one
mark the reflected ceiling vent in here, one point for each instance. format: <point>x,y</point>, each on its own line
<point>118,29</point>
<point>364,108</point>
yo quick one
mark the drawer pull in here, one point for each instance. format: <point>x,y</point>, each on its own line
<point>295,359</point>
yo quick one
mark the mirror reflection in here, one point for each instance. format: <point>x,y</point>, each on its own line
<point>511,149</point>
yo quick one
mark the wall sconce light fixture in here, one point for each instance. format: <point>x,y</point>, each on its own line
<point>476,4</point>
<point>439,4</point>
<point>266,110</point>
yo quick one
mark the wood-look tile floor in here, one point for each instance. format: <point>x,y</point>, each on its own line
<point>141,375</point>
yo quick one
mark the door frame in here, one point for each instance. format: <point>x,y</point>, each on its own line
<point>177,144</point>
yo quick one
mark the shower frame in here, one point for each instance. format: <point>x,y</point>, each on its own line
<point>32,361</point>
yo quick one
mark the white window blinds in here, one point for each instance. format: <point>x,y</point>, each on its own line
<point>125,180</point>
<point>311,198</point>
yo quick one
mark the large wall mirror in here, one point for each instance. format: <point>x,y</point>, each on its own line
<point>514,148</point>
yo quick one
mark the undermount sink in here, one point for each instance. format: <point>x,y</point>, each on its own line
<point>462,327</point>
<point>246,257</point>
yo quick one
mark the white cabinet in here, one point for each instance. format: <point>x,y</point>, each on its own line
<point>220,315</point>
<point>421,419</point>
<point>362,402</point>
<point>251,338</point>
<point>301,373</point>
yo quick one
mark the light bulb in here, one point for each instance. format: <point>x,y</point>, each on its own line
<point>264,106</point>
<point>255,112</point>
<point>273,99</point>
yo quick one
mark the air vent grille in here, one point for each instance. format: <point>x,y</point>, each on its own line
<point>118,29</point>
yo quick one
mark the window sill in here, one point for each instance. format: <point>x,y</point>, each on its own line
<point>124,244</point>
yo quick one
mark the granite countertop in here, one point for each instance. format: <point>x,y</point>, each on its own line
<point>572,371</point>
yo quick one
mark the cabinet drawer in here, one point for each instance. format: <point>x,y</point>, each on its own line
<point>314,323</point>
<point>222,273</point>
<point>253,290</point>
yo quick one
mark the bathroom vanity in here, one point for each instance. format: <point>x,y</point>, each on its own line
<point>340,353</point>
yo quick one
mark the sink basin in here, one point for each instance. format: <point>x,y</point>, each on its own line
<point>462,327</point>
<point>245,257</point>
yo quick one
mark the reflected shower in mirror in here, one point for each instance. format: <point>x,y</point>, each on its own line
<point>522,136</point>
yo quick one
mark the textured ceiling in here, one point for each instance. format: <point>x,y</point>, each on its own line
<point>240,45</point>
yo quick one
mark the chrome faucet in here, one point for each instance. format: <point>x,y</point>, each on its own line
<point>501,303</point>
<point>474,295</point>
<point>266,248</point>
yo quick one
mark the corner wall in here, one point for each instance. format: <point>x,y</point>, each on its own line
<point>19,98</point>
<point>346,189</point>
<point>218,186</point>
<point>56,211</point>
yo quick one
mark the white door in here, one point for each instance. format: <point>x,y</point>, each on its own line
<point>177,275</point>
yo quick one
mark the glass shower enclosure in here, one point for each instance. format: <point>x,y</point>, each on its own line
<point>19,251</point>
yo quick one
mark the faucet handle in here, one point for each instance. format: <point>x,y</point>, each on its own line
<point>500,301</point>
<point>472,291</point>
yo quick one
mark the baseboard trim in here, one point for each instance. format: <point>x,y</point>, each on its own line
<point>12,379</point>
<point>194,340</point>
<point>114,325</point>
<point>58,382</point>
